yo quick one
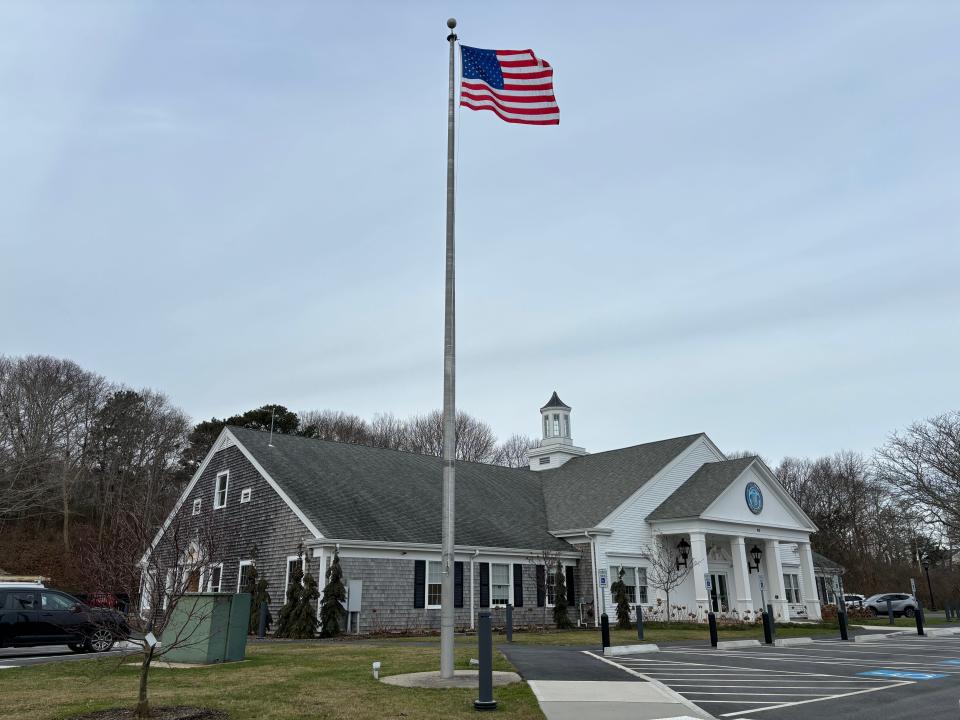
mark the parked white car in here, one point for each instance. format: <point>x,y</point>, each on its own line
<point>903,604</point>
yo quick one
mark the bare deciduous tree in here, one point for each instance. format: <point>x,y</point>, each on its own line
<point>664,572</point>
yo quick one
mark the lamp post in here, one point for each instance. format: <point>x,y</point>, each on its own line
<point>756,553</point>
<point>926,569</point>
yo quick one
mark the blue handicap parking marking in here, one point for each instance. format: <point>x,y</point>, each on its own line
<point>901,674</point>
<point>950,662</point>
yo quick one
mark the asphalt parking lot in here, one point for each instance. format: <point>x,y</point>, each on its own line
<point>900,678</point>
<point>24,657</point>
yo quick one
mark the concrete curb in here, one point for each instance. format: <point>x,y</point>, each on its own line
<point>871,638</point>
<point>614,651</point>
<point>941,632</point>
<point>730,644</point>
<point>787,642</point>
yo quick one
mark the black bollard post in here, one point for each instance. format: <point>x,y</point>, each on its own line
<point>918,616</point>
<point>890,620</point>
<point>509,622</point>
<point>262,627</point>
<point>639,622</point>
<point>712,619</point>
<point>773,623</point>
<point>485,655</point>
<point>842,620</point>
<point>605,630</point>
<point>767,635</point>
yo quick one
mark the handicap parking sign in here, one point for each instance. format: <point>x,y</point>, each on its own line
<point>901,674</point>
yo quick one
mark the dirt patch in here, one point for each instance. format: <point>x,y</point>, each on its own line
<point>177,712</point>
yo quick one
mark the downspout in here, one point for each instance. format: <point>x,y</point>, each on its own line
<point>476,552</point>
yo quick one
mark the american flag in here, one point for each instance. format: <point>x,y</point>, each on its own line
<point>514,84</point>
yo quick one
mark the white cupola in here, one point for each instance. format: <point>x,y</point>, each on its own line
<point>556,446</point>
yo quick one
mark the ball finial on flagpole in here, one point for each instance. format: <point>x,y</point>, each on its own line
<point>452,23</point>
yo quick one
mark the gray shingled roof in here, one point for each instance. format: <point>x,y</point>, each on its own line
<point>555,401</point>
<point>824,563</point>
<point>703,487</point>
<point>584,490</point>
<point>354,492</point>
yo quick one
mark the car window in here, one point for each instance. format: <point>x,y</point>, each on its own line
<point>56,601</point>
<point>23,600</point>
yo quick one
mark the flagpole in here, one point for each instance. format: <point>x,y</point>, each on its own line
<point>449,407</point>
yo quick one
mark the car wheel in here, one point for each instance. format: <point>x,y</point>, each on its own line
<point>100,640</point>
<point>876,611</point>
<point>77,647</point>
<point>909,612</point>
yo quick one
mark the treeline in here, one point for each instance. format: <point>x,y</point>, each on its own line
<point>886,516</point>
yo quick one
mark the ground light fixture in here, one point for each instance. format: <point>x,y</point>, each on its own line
<point>756,553</point>
<point>683,547</point>
<point>376,670</point>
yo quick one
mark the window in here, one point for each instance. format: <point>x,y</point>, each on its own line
<point>642,586</point>
<point>292,561</point>
<point>434,583</point>
<point>216,576</point>
<point>20,600</point>
<point>629,579</point>
<point>546,426</point>
<point>791,585</point>
<point>245,577</point>
<point>220,494</point>
<point>556,425</point>
<point>551,580</point>
<point>55,601</point>
<point>245,495</point>
<point>499,585</point>
<point>196,506</point>
<point>566,426</point>
<point>168,586</point>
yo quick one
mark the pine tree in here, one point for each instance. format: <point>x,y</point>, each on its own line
<point>334,593</point>
<point>298,616</point>
<point>257,587</point>
<point>619,592</point>
<point>560,616</point>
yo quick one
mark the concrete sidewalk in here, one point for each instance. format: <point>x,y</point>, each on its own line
<point>610,700</point>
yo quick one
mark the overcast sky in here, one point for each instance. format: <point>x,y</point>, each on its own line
<point>746,222</point>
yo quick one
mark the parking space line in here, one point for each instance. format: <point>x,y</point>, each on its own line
<point>820,699</point>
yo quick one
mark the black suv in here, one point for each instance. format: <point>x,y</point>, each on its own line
<point>34,615</point>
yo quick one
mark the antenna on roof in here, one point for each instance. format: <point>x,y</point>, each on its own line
<point>273,411</point>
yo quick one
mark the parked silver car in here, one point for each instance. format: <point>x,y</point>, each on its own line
<point>903,604</point>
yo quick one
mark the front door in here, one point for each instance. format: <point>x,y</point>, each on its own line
<point>719,601</point>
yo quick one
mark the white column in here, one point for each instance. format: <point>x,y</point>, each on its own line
<point>741,576</point>
<point>808,582</point>
<point>774,576</point>
<point>698,559</point>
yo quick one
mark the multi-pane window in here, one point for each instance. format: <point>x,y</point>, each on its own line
<point>635,578</point>
<point>245,578</point>
<point>216,576</point>
<point>556,424</point>
<point>791,586</point>
<point>434,583</point>
<point>550,578</point>
<point>566,426</point>
<point>642,586</point>
<point>546,426</point>
<point>293,562</point>
<point>499,584</point>
<point>220,494</point>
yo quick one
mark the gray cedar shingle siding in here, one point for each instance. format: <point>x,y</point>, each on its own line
<point>584,490</point>
<point>703,487</point>
<point>264,530</point>
<point>355,492</point>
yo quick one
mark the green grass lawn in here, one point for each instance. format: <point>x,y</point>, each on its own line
<point>900,621</point>
<point>280,681</point>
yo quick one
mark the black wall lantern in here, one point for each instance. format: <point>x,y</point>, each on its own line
<point>756,553</point>
<point>684,548</point>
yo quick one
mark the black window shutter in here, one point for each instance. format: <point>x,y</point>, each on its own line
<point>541,586</point>
<point>458,584</point>
<point>571,592</point>
<point>419,583</point>
<point>484,585</point>
<point>518,584</point>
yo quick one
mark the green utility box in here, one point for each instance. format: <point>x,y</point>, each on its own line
<point>207,628</point>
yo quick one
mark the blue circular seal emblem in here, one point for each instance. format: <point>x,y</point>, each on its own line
<point>754,498</point>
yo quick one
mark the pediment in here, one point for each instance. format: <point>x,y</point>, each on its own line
<point>755,497</point>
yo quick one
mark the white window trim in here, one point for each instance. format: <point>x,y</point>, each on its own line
<point>226,489</point>
<point>206,578</point>
<point>636,583</point>
<point>196,506</point>
<point>245,495</point>
<point>169,586</point>
<point>286,579</point>
<point>427,583</point>
<point>240,567</point>
<point>509,583</point>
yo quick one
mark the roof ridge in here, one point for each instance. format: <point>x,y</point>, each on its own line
<point>627,447</point>
<point>371,447</point>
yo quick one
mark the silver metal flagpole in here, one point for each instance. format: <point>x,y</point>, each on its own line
<point>449,406</point>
